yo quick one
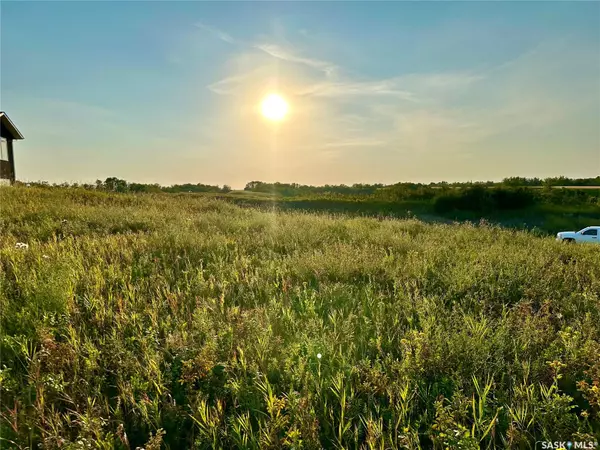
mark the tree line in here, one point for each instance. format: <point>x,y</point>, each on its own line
<point>295,189</point>
<point>553,181</point>
<point>509,194</point>
<point>114,184</point>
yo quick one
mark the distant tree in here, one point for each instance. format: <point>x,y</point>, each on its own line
<point>138,187</point>
<point>115,184</point>
<point>252,185</point>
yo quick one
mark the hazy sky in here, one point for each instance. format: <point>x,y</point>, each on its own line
<point>168,92</point>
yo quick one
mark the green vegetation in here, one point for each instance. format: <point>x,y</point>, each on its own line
<point>533,204</point>
<point>183,321</point>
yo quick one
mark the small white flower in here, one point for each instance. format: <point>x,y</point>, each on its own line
<point>22,246</point>
<point>559,315</point>
<point>45,257</point>
<point>319,355</point>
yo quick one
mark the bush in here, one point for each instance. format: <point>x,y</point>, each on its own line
<point>482,199</point>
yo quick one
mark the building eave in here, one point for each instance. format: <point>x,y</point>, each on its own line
<point>10,126</point>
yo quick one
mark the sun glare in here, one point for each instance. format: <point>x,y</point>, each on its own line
<point>274,107</point>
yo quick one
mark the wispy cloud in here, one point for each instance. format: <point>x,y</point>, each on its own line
<point>227,85</point>
<point>274,50</point>
<point>285,54</point>
<point>435,116</point>
<point>336,83</point>
<point>397,111</point>
<point>357,88</point>
<point>225,37</point>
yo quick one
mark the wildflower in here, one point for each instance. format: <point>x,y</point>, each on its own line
<point>122,434</point>
<point>22,246</point>
<point>45,257</point>
<point>559,315</point>
<point>319,355</point>
<point>64,221</point>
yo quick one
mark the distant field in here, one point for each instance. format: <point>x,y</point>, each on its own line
<point>544,218</point>
<point>569,187</point>
<point>541,187</point>
<point>208,325</point>
<point>258,194</point>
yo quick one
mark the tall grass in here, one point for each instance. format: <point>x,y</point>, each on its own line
<point>170,321</point>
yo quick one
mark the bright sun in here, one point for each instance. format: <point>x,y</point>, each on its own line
<point>274,107</point>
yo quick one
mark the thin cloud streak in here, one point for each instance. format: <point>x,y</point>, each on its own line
<point>349,87</point>
<point>226,85</point>
<point>225,37</point>
<point>356,88</point>
<point>275,51</point>
<point>278,52</point>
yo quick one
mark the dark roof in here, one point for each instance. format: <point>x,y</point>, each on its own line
<point>9,126</point>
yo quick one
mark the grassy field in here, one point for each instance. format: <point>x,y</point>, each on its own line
<point>545,219</point>
<point>179,321</point>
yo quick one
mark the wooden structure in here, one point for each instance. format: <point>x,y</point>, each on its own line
<point>8,133</point>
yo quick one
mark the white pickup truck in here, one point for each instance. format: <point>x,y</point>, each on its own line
<point>588,234</point>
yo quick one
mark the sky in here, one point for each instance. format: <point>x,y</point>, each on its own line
<point>378,92</point>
